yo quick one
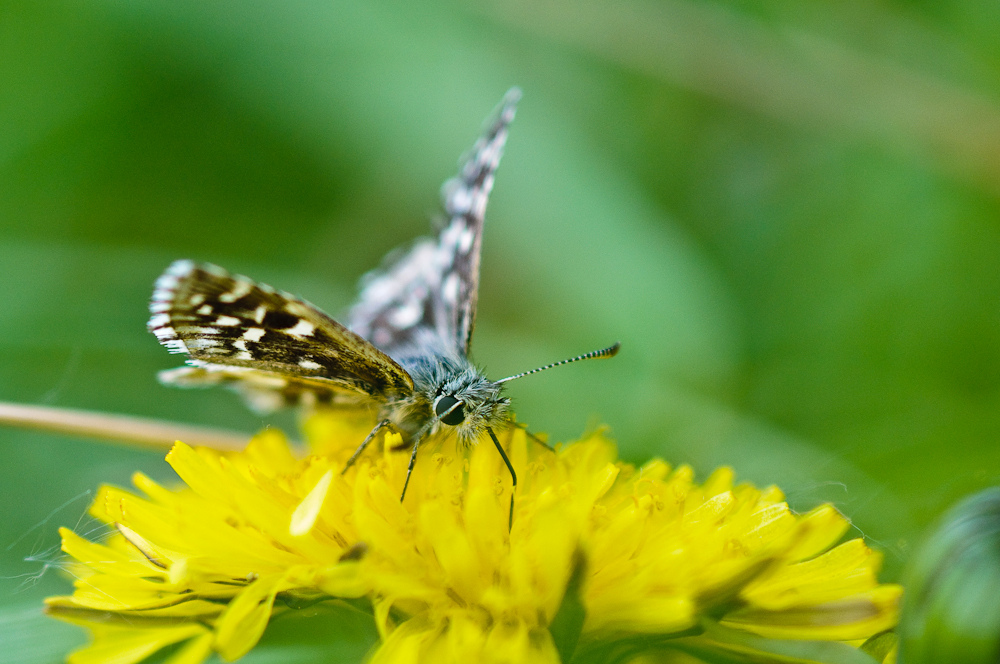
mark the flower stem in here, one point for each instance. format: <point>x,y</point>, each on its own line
<point>139,431</point>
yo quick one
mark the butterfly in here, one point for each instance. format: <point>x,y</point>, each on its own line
<point>404,349</point>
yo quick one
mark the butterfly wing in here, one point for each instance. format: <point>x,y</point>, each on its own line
<point>427,294</point>
<point>263,340</point>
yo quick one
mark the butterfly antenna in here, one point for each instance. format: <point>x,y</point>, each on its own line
<point>610,351</point>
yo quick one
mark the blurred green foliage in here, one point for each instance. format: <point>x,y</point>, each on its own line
<point>787,212</point>
<point>950,611</point>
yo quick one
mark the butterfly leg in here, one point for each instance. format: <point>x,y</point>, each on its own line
<point>513,476</point>
<point>361,448</point>
<point>409,468</point>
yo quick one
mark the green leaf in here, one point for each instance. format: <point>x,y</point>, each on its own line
<point>27,636</point>
<point>568,621</point>
<point>880,645</point>
<point>327,632</point>
<point>950,610</point>
<point>720,645</point>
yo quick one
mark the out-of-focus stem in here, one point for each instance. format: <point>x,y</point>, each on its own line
<point>138,431</point>
<point>778,70</point>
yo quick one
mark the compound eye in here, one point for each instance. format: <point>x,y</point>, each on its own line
<point>444,403</point>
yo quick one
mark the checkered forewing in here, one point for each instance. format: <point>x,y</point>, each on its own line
<point>430,290</point>
<point>239,331</point>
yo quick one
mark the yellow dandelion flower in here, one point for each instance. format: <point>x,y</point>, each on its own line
<point>600,554</point>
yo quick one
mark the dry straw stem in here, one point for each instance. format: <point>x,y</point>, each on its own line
<point>138,431</point>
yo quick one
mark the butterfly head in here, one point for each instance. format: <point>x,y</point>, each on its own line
<point>467,402</point>
<point>461,398</point>
<point>450,409</point>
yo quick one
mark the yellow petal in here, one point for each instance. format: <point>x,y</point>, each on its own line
<point>304,516</point>
<point>127,646</point>
<point>441,526</point>
<point>194,651</point>
<point>855,617</point>
<point>842,571</point>
<point>242,623</point>
<point>820,529</point>
<point>269,449</point>
<point>643,615</point>
<point>101,558</point>
<point>343,580</point>
<point>406,642</point>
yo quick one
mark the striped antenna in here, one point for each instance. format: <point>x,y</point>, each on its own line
<point>610,351</point>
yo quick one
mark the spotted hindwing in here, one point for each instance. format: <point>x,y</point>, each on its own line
<point>242,332</point>
<point>427,294</point>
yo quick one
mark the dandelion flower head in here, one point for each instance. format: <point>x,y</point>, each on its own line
<point>636,551</point>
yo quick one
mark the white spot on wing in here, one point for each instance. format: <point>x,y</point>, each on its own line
<point>309,364</point>
<point>457,197</point>
<point>302,329</point>
<point>165,288</point>
<point>205,309</point>
<point>297,309</point>
<point>381,289</point>
<point>406,315</point>
<point>451,235</point>
<point>227,321</point>
<point>166,284</point>
<point>259,313</point>
<point>240,288</point>
<point>254,334</point>
<point>465,240</point>
<point>181,268</point>
<point>158,320</point>
<point>450,289</point>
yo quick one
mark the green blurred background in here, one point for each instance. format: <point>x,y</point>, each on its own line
<point>787,212</point>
